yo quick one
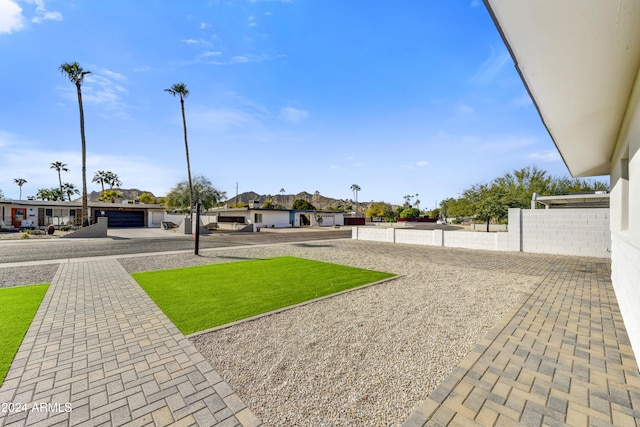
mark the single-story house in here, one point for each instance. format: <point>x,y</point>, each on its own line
<point>40,213</point>
<point>275,218</point>
<point>580,62</point>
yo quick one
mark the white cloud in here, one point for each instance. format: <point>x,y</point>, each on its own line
<point>488,70</point>
<point>418,164</point>
<point>190,41</point>
<point>11,18</point>
<point>209,54</point>
<point>252,21</point>
<point>545,156</point>
<point>204,25</point>
<point>45,15</point>
<point>465,109</point>
<point>240,59</point>
<point>475,3</point>
<point>133,171</point>
<point>293,115</point>
<point>223,119</point>
<point>101,87</point>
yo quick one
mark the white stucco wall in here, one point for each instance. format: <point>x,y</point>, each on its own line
<point>625,219</point>
<point>577,232</point>
<point>275,219</point>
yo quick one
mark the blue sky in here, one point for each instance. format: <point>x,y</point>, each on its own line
<point>397,97</point>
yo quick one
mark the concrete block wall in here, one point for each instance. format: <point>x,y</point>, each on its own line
<point>485,241</point>
<point>581,232</point>
<point>418,237</point>
<point>577,232</point>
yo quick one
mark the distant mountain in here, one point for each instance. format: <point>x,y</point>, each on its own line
<point>286,201</point>
<point>127,194</point>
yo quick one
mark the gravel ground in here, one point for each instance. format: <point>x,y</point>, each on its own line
<point>364,358</point>
<point>18,276</point>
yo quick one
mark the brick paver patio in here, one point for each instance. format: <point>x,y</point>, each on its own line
<point>99,344</point>
<point>561,357</point>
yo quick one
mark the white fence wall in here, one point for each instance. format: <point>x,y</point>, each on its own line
<point>582,232</point>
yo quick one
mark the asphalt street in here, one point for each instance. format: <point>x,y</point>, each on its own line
<point>50,249</point>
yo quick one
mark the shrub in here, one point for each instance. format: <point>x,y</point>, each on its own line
<point>410,213</point>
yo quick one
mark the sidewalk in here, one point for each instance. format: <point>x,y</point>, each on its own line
<point>100,352</point>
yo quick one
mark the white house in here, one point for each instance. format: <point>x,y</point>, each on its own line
<point>40,213</point>
<point>579,60</point>
<point>275,218</point>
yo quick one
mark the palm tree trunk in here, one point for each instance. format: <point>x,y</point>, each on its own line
<point>60,182</point>
<point>85,208</point>
<point>186,148</point>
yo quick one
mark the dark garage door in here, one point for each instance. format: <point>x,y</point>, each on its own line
<point>123,218</point>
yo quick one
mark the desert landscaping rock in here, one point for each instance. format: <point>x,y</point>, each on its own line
<point>368,357</point>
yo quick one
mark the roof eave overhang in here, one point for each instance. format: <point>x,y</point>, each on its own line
<point>579,61</point>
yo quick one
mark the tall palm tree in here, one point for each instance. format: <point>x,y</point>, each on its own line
<point>180,90</point>
<point>76,74</point>
<point>100,177</point>
<point>113,180</point>
<point>355,188</point>
<point>60,167</point>
<point>70,189</point>
<point>20,182</point>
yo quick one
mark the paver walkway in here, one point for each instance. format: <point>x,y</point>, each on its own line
<point>100,352</point>
<point>560,358</point>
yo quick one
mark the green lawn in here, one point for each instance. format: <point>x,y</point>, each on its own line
<point>17,307</point>
<point>198,298</point>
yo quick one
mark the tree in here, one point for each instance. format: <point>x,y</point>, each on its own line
<point>407,201</point>
<point>410,213</point>
<point>76,75</point>
<point>1,195</point>
<point>112,180</point>
<point>147,199</point>
<point>110,196</point>
<point>60,167</point>
<point>20,182</point>
<point>268,203</point>
<point>180,90</point>
<point>380,210</point>
<point>49,194</point>
<point>180,196</point>
<point>316,197</point>
<point>69,189</point>
<point>100,177</point>
<point>355,188</point>
<point>301,204</point>
<point>456,208</point>
<point>489,202</point>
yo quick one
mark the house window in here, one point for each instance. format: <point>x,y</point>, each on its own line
<point>257,218</point>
